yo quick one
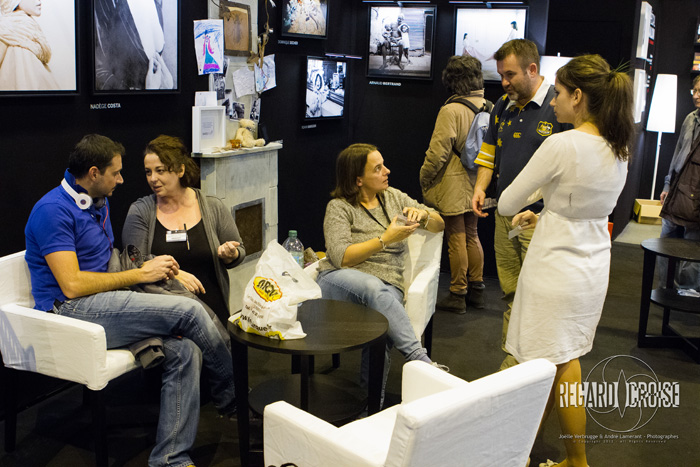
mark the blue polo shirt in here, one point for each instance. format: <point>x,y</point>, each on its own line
<point>515,133</point>
<point>56,223</point>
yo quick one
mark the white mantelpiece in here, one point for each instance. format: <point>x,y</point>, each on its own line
<point>238,178</point>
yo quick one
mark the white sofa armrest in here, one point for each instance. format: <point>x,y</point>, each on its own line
<point>58,346</point>
<point>292,435</point>
<point>421,297</point>
<point>421,379</point>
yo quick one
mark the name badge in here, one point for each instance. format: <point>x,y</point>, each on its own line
<point>176,236</point>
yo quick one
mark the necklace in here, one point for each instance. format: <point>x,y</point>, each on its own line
<point>374,218</point>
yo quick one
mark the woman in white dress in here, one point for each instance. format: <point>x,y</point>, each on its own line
<point>580,174</point>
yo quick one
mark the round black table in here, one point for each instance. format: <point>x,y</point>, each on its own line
<point>666,296</point>
<point>331,327</point>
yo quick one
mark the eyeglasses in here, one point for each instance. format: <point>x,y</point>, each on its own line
<point>694,91</point>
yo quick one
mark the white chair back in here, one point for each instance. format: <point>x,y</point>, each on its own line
<point>424,249</point>
<point>15,283</point>
<point>490,421</point>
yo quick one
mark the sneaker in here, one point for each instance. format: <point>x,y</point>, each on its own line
<point>444,368</point>
<point>454,303</point>
<point>475,294</point>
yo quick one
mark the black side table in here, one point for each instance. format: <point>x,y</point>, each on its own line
<point>331,327</point>
<point>675,249</point>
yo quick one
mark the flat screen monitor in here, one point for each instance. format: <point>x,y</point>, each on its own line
<point>325,87</point>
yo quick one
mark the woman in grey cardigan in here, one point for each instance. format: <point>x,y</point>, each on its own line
<point>178,220</point>
<point>366,227</point>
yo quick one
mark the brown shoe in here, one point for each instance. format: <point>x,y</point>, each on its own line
<point>475,295</point>
<point>453,303</point>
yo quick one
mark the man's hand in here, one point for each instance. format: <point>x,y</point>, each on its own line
<point>478,202</point>
<point>663,196</point>
<point>190,282</point>
<point>228,251</point>
<point>159,268</point>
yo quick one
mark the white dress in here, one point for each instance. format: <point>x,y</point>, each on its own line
<point>564,278</point>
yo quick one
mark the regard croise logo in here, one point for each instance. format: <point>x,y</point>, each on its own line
<point>621,393</point>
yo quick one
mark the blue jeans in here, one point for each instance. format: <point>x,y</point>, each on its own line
<point>687,273</point>
<point>351,285</point>
<point>190,338</point>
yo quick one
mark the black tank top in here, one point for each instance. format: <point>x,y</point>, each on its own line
<point>196,260</point>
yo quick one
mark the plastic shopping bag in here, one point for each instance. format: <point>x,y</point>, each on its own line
<point>272,295</point>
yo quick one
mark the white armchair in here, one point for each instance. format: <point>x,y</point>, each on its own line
<point>52,345</point>
<point>421,274</point>
<point>442,420</point>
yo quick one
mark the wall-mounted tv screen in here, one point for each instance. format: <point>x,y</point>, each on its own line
<point>325,87</point>
<point>480,32</point>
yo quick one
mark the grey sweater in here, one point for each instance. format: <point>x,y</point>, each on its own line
<point>345,225</point>
<point>219,226</point>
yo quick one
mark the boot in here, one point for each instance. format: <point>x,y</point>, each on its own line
<point>453,302</point>
<point>475,294</point>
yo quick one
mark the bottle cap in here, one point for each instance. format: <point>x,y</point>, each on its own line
<point>292,233</point>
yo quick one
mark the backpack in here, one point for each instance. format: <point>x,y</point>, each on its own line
<point>477,131</point>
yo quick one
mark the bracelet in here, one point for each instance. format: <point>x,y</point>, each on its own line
<point>427,219</point>
<point>382,242</point>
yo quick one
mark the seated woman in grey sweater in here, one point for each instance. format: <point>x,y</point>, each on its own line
<point>365,243</point>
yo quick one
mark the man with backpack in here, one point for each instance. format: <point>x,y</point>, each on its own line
<point>520,121</point>
<point>448,186</point>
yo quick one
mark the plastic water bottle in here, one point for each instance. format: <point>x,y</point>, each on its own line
<point>294,246</point>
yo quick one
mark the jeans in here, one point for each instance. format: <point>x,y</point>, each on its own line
<point>190,339</point>
<point>687,272</point>
<point>465,251</point>
<point>351,285</point>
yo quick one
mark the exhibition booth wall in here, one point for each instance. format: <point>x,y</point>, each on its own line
<point>397,114</point>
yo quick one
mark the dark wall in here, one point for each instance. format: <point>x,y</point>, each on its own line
<point>398,119</point>
<point>38,132</point>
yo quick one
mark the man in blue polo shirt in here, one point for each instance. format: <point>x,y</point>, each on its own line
<point>520,121</point>
<point>69,242</point>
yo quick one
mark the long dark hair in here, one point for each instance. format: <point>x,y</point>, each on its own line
<point>609,94</point>
<point>173,153</point>
<point>350,165</point>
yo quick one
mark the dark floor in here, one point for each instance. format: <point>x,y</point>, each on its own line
<point>56,432</point>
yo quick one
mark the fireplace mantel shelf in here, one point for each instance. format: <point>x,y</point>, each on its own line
<point>236,152</point>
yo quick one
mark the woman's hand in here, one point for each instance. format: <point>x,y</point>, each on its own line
<point>190,282</point>
<point>415,215</point>
<point>526,220</point>
<point>228,252</point>
<point>396,232</point>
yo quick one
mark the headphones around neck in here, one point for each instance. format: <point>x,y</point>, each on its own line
<point>83,200</point>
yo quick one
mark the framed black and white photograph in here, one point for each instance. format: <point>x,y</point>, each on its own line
<point>136,46</point>
<point>237,28</point>
<point>325,94</point>
<point>401,41</point>
<point>38,52</point>
<point>305,18</point>
<point>480,32</point>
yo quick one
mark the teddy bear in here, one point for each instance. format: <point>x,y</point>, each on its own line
<point>245,134</point>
